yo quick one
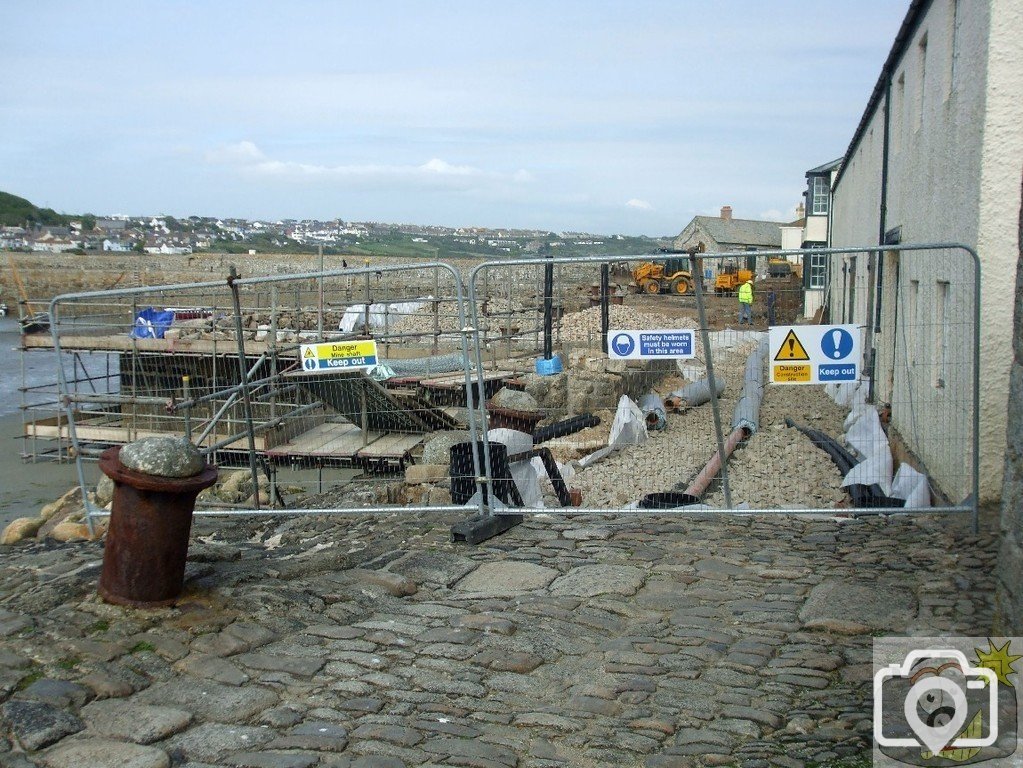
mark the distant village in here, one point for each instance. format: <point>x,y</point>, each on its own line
<point>170,235</point>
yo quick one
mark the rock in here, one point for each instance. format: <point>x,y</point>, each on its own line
<point>437,450</point>
<point>20,529</point>
<point>591,580</point>
<point>211,742</point>
<point>68,531</point>
<point>58,693</point>
<point>105,753</point>
<point>34,724</point>
<point>515,400</point>
<point>104,491</point>
<point>843,605</point>
<point>138,723</point>
<point>506,579</point>
<point>71,498</point>
<point>209,700</point>
<point>426,473</point>
<point>163,457</point>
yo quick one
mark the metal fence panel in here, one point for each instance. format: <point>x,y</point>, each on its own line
<point>603,435</point>
<point>805,439</point>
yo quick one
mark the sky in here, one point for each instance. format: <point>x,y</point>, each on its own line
<point>603,117</point>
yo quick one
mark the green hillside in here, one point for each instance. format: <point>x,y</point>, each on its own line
<point>15,211</point>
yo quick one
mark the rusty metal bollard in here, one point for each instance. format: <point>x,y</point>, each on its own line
<point>150,521</point>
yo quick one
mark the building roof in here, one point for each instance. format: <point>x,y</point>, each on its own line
<point>742,231</point>
<point>917,10</point>
<point>827,167</point>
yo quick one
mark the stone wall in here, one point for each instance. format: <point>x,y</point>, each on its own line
<point>1009,600</point>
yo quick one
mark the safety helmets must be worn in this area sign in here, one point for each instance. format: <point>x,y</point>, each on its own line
<point>338,356</point>
<point>646,345</point>
<point>814,354</point>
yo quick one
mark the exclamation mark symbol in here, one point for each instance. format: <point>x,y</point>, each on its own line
<point>836,338</point>
<point>792,348</point>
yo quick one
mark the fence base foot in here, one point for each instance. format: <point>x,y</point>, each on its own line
<point>480,528</point>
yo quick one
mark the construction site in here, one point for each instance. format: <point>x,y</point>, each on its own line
<point>516,351</point>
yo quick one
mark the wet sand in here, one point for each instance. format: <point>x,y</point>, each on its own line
<point>24,487</point>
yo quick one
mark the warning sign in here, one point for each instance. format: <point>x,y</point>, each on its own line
<point>791,374</point>
<point>814,354</point>
<point>791,348</point>
<point>342,355</point>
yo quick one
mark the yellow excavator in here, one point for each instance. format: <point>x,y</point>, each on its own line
<point>669,276</point>
<point>730,277</point>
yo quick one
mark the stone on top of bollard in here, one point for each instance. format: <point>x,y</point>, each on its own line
<point>163,457</point>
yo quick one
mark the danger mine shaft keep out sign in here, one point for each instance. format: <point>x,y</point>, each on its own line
<point>336,356</point>
<point>814,354</point>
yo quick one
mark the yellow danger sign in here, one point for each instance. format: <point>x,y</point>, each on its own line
<point>792,374</point>
<point>309,352</point>
<point>792,349</point>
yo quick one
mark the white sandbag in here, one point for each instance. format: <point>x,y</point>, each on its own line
<point>515,441</point>
<point>355,315</point>
<point>863,430</point>
<point>911,486</point>
<point>629,427</point>
<point>874,469</point>
<point>527,480</point>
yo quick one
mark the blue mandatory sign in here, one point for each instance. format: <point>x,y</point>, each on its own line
<point>309,364</point>
<point>837,344</point>
<point>623,344</point>
<point>678,344</point>
<point>836,372</point>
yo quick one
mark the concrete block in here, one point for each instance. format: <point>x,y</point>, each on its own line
<point>425,473</point>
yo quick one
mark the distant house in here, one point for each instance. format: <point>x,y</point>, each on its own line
<point>723,234</point>
<point>810,230</point>
<point>116,246</point>
<point>112,225</point>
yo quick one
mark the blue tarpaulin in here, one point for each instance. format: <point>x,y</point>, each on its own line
<point>152,323</point>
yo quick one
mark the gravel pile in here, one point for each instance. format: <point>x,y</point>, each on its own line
<point>779,467</point>
<point>776,468</point>
<point>669,457</point>
<point>585,325</point>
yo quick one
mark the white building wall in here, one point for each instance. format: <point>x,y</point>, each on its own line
<point>955,164</point>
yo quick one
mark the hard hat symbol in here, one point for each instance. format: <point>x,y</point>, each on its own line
<point>622,344</point>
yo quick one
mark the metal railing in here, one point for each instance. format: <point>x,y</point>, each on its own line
<point>458,349</point>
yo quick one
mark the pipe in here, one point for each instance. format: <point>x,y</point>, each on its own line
<point>746,414</point>
<point>696,393</point>
<point>863,496</point>
<point>699,485</point>
<point>566,427</point>
<point>653,411</point>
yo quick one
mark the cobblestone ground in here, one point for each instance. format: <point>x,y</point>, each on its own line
<point>378,643</point>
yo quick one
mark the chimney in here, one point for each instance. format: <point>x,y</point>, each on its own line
<point>800,211</point>
<point>726,212</point>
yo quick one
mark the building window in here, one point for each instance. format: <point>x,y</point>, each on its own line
<point>920,97</point>
<point>821,193</point>
<point>818,271</point>
<point>939,375</point>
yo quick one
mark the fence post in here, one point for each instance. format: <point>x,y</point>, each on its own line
<point>696,269</point>
<point>243,374</point>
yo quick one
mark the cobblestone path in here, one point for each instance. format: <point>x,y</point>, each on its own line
<point>377,643</point>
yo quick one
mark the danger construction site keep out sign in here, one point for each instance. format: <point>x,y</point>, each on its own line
<point>814,354</point>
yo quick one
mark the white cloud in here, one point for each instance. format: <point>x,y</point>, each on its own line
<point>247,157</point>
<point>642,205</point>
<point>234,154</point>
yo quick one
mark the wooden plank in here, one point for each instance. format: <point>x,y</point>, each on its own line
<point>391,446</point>
<point>111,431</point>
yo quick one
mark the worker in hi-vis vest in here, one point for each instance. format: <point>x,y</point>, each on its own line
<point>746,303</point>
